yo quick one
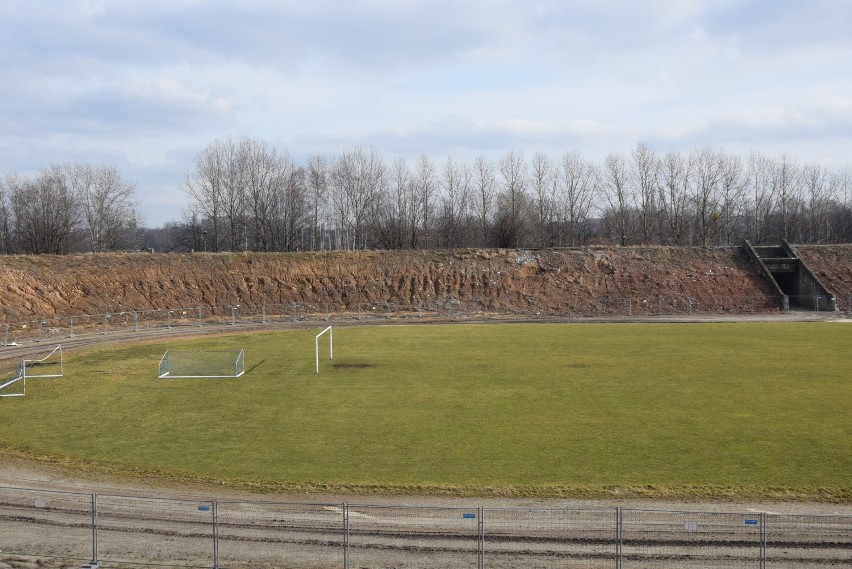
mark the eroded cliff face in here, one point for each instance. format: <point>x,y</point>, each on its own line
<point>562,281</point>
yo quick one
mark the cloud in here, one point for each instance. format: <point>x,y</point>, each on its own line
<point>112,108</point>
<point>148,84</point>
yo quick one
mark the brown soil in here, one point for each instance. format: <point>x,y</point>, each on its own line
<point>832,264</point>
<point>558,281</point>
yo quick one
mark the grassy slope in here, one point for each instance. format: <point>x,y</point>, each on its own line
<point>746,409</point>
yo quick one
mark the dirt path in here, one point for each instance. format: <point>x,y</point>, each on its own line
<point>25,473</point>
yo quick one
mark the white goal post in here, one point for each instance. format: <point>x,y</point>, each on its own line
<point>188,364</point>
<point>51,365</point>
<point>330,345</point>
<point>21,388</point>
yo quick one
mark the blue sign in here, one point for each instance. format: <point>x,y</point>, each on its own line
<point>469,516</point>
<point>204,508</point>
<point>751,522</point>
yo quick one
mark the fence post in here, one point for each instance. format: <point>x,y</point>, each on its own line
<point>618,536</point>
<point>135,321</point>
<point>762,541</point>
<point>72,328</point>
<point>345,535</point>
<point>263,310</point>
<point>481,528</point>
<point>215,534</point>
<point>94,527</point>
<point>6,332</point>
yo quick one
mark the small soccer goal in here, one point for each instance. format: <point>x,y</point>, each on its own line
<point>188,364</point>
<point>51,365</point>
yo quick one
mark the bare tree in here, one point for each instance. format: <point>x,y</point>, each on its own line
<point>187,235</point>
<point>674,198</point>
<point>815,180</point>
<point>707,173</point>
<point>761,204</point>
<point>260,167</point>
<point>544,179</point>
<point>6,246</point>
<point>248,195</point>
<point>292,212</point>
<point>455,185</point>
<point>45,212</point>
<point>732,187</point>
<point>785,183</point>
<point>645,176</point>
<point>579,186</point>
<point>397,223</point>
<point>841,211</point>
<point>234,195</point>
<point>109,208</point>
<point>513,204</point>
<point>483,199</point>
<point>317,185</point>
<point>205,186</point>
<point>618,199</point>
<point>426,180</point>
<point>358,179</point>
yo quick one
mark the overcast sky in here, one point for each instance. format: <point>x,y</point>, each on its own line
<point>145,85</point>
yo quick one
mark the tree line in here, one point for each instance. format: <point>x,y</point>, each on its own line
<point>247,195</point>
<point>67,208</point>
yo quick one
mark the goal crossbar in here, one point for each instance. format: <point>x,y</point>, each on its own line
<point>330,345</point>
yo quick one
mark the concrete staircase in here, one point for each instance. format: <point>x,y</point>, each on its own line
<point>794,283</point>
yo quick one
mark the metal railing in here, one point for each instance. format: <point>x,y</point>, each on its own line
<point>112,529</point>
<point>443,308</point>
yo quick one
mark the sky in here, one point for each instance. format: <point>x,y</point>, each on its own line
<point>146,86</point>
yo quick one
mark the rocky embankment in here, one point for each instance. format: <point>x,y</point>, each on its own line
<point>562,281</point>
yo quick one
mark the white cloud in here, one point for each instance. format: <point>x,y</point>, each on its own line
<point>145,85</point>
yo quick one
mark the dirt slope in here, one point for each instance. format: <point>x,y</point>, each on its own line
<point>832,264</point>
<point>563,281</point>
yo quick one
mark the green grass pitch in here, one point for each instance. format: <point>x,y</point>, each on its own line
<point>740,409</point>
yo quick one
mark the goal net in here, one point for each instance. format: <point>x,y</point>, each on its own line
<point>50,365</point>
<point>202,363</point>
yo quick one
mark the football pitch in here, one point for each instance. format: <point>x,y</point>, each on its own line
<point>741,410</point>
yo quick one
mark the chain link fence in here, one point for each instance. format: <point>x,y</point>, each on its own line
<point>439,309</point>
<point>40,528</point>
